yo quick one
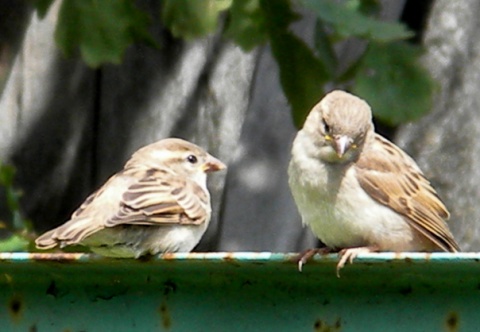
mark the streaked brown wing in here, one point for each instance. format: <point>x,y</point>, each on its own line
<point>392,178</point>
<point>86,203</point>
<point>152,201</point>
<point>85,221</point>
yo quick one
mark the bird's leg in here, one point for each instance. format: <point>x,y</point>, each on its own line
<point>305,255</point>
<point>349,254</point>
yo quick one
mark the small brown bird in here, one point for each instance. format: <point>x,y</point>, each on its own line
<point>158,203</point>
<point>359,192</point>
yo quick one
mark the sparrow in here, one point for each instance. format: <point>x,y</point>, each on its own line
<point>359,192</point>
<point>158,203</point>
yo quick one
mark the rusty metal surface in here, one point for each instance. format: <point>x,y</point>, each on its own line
<point>239,292</point>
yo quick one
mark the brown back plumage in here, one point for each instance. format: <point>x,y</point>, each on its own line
<point>393,179</point>
<point>159,185</point>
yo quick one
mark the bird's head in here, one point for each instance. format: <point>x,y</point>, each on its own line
<point>177,156</point>
<point>339,124</point>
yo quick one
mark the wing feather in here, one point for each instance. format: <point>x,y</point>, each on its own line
<point>393,179</point>
<point>133,197</point>
<point>153,201</point>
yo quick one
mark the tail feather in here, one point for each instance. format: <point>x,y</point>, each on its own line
<point>46,240</point>
<point>72,232</point>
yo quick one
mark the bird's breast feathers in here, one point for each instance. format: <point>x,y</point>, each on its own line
<point>340,214</point>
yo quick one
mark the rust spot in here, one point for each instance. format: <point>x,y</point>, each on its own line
<point>452,322</point>
<point>229,256</point>
<point>169,287</point>
<point>318,325</point>
<point>53,289</point>
<point>338,324</point>
<point>15,307</point>
<point>246,283</point>
<point>56,257</point>
<point>408,260</point>
<point>33,328</point>
<point>165,316</point>
<point>407,290</point>
<point>168,256</point>
<point>321,326</point>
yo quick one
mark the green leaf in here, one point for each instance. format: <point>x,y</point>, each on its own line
<point>14,243</point>
<point>278,15</point>
<point>191,19</point>
<point>247,25</point>
<point>101,29</point>
<point>348,21</point>
<point>42,7</point>
<point>397,87</point>
<point>301,74</point>
<point>7,173</point>
<point>366,7</point>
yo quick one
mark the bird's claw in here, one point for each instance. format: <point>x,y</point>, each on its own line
<point>306,255</point>
<point>349,254</point>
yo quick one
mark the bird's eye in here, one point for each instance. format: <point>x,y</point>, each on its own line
<point>326,127</point>
<point>192,159</point>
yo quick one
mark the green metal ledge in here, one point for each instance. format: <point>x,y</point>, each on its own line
<point>239,292</point>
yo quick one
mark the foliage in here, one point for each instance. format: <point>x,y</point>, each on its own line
<point>19,228</point>
<point>191,19</point>
<point>387,73</point>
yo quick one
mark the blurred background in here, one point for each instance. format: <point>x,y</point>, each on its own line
<point>85,83</point>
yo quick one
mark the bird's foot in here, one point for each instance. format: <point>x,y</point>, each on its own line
<point>349,254</point>
<point>305,255</point>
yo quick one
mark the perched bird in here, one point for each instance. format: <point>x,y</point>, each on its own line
<point>358,191</point>
<point>158,203</point>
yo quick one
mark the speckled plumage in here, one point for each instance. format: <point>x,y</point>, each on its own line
<point>356,189</point>
<point>158,203</point>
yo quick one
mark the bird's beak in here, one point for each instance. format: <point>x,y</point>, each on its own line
<point>213,165</point>
<point>341,144</point>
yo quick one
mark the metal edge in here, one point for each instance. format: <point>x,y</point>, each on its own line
<point>418,257</point>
